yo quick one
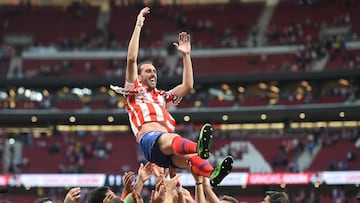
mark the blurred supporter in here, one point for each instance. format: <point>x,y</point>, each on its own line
<point>6,54</point>
<point>338,194</point>
<point>351,156</point>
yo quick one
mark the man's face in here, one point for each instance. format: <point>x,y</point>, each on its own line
<point>148,76</point>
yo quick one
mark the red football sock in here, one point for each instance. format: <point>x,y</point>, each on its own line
<point>183,146</point>
<point>200,166</point>
<point>197,171</point>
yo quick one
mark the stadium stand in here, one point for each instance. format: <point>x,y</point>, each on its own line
<point>65,22</point>
<point>71,153</point>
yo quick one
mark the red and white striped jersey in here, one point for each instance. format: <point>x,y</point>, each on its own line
<point>144,106</point>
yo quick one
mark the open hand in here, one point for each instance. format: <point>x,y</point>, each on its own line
<point>140,18</point>
<point>73,195</point>
<point>184,45</point>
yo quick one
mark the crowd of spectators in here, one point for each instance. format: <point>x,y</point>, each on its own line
<point>303,60</point>
<point>314,48</point>
<point>307,31</point>
<point>72,148</point>
<point>80,146</point>
<point>76,148</point>
<point>214,96</point>
<point>77,151</point>
<point>293,143</point>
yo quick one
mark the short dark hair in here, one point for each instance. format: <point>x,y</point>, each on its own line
<point>116,200</point>
<point>97,195</point>
<point>230,199</point>
<point>142,63</point>
<point>42,200</point>
<point>278,197</point>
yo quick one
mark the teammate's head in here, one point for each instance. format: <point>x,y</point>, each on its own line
<point>43,200</point>
<point>276,197</point>
<point>98,194</point>
<point>229,199</point>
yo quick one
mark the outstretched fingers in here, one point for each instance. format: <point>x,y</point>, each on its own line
<point>141,18</point>
<point>72,195</point>
<point>145,11</point>
<point>184,37</point>
<point>183,45</point>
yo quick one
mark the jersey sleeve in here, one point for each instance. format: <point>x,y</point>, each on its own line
<point>126,90</point>
<point>129,85</point>
<point>170,98</point>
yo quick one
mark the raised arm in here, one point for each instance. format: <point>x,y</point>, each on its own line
<point>210,194</point>
<point>199,189</point>
<point>128,180</point>
<point>144,173</point>
<point>184,47</point>
<point>133,49</point>
<point>170,185</point>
